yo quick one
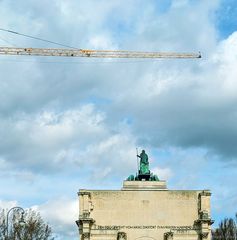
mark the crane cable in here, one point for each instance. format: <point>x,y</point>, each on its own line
<point>6,41</point>
<point>36,38</point>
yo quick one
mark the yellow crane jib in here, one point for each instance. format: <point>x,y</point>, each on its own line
<point>63,52</point>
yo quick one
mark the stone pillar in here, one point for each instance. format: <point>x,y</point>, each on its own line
<point>85,222</point>
<point>204,221</point>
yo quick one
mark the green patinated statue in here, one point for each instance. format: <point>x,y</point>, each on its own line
<point>144,172</point>
<point>144,163</point>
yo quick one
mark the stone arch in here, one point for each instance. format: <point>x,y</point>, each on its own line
<point>145,238</point>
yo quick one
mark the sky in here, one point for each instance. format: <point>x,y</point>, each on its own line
<point>69,124</point>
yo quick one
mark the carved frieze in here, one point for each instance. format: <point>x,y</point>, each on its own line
<point>204,215</point>
<point>86,235</point>
<point>168,235</point>
<point>85,214</point>
<point>203,235</point>
<point>121,236</point>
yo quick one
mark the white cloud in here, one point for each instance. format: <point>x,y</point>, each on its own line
<point>190,108</point>
<point>101,43</point>
<point>7,204</point>
<point>86,118</point>
<point>162,173</point>
<point>61,215</point>
<point>48,133</point>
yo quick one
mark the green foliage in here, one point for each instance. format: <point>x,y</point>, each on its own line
<point>34,229</point>
<point>227,230</point>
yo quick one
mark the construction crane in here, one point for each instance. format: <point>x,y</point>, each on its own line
<point>63,52</point>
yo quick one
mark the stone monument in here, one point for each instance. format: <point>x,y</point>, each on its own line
<point>144,209</point>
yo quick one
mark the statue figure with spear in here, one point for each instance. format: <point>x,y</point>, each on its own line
<point>144,163</point>
<point>143,169</point>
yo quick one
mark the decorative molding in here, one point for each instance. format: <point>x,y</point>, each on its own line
<point>118,227</point>
<point>208,221</point>
<point>85,214</point>
<point>204,235</point>
<point>85,235</point>
<point>168,235</point>
<point>121,236</point>
<point>91,206</point>
<point>204,215</point>
<point>205,193</point>
<point>81,193</point>
<point>78,223</point>
<point>86,220</point>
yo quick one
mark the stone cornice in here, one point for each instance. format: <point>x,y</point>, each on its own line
<point>82,193</point>
<point>205,193</point>
<point>209,221</point>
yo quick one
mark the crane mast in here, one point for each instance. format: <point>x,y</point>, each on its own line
<point>63,52</point>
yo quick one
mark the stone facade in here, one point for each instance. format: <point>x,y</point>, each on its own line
<point>144,210</point>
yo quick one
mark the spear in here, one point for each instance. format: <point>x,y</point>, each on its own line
<point>137,162</point>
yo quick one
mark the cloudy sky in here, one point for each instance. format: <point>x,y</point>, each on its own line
<point>67,124</point>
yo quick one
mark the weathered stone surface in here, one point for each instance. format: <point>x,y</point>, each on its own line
<point>144,185</point>
<point>144,210</point>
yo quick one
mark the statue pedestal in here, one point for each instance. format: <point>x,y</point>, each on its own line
<point>144,185</point>
<point>142,177</point>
